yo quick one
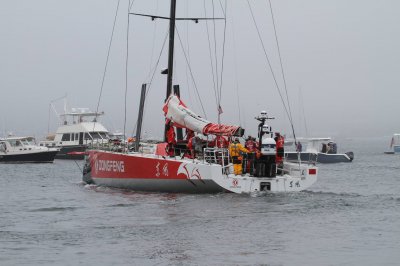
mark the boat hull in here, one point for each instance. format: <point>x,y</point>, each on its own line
<point>74,152</point>
<point>33,157</point>
<point>164,174</point>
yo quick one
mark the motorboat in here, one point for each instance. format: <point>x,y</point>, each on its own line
<point>322,150</point>
<point>79,130</point>
<point>25,150</point>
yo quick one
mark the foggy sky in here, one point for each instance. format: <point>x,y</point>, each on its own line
<point>344,55</point>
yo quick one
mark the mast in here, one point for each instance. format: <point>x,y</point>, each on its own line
<point>170,54</point>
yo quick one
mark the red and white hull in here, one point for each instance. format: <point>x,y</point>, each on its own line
<point>148,172</point>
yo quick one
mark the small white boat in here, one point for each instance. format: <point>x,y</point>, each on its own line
<point>394,144</point>
<point>326,154</point>
<point>79,130</point>
<point>25,150</point>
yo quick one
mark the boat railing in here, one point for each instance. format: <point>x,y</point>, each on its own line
<point>217,156</point>
<point>307,158</point>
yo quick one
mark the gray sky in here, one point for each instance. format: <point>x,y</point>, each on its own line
<point>344,55</point>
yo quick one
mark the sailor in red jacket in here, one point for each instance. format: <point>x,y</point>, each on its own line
<point>219,142</point>
<point>280,152</point>
<point>171,139</point>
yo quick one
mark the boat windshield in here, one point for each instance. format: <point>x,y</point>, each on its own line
<point>15,142</point>
<point>95,135</point>
<point>28,141</point>
<point>104,135</point>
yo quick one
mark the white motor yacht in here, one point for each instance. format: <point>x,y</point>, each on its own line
<point>79,130</point>
<point>25,150</point>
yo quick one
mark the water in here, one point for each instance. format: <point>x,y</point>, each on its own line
<point>351,216</point>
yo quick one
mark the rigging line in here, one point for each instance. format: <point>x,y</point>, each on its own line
<point>126,70</point>
<point>48,121</point>
<point>130,5</point>
<point>158,61</point>
<point>188,49</point>
<point>223,54</point>
<point>210,54</point>
<point>236,70</point>
<point>154,38</point>
<point>215,52</point>
<point>280,59</point>
<point>191,73</point>
<point>304,114</point>
<point>269,63</point>
<point>152,77</point>
<point>107,59</point>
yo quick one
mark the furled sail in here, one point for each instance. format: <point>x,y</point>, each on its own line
<point>176,111</point>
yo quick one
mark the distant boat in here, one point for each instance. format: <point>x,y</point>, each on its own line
<point>394,144</point>
<point>25,150</point>
<point>326,154</point>
<point>79,130</point>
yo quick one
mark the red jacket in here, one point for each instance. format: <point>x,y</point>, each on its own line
<point>171,136</point>
<point>220,142</point>
<point>251,145</point>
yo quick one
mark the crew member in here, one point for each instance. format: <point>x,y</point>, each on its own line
<point>235,150</point>
<point>190,146</point>
<point>219,142</point>
<point>252,146</point>
<point>280,152</point>
<point>299,147</point>
<point>171,139</point>
<point>189,134</point>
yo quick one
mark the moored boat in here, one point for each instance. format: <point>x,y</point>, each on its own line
<point>322,150</point>
<point>79,130</point>
<point>25,150</point>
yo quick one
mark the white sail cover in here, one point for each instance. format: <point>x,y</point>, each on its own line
<point>176,111</point>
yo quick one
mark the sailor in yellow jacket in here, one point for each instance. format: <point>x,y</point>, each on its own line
<point>235,150</point>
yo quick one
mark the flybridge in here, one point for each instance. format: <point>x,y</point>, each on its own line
<point>81,112</point>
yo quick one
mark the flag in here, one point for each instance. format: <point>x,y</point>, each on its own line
<point>220,110</point>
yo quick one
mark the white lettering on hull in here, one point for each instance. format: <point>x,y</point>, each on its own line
<point>109,166</point>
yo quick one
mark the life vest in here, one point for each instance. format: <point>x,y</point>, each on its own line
<point>236,148</point>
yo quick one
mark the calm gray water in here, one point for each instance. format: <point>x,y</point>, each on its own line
<point>351,216</point>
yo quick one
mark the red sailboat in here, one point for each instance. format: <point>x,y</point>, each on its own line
<point>201,169</point>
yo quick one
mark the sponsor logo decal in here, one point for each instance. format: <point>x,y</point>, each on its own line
<point>189,171</point>
<point>164,171</point>
<point>235,182</point>
<point>109,166</point>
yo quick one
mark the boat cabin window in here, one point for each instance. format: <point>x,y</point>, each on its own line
<point>95,135</point>
<point>3,146</point>
<point>25,142</point>
<point>104,135</point>
<point>87,136</point>
<point>72,136</point>
<point>66,137</point>
<point>76,136</point>
<point>15,143</point>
